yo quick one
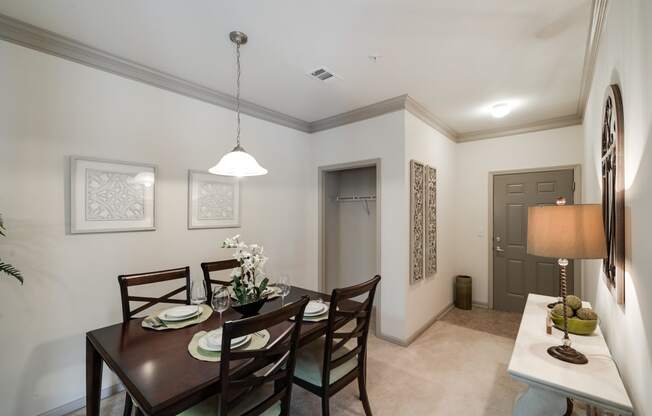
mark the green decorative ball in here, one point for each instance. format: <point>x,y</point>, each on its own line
<point>587,314</point>
<point>574,302</point>
<point>558,310</point>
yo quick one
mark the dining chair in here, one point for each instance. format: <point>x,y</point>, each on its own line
<point>264,385</point>
<point>128,280</point>
<point>216,266</point>
<point>326,365</point>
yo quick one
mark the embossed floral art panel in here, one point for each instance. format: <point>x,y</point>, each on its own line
<point>213,201</point>
<point>109,196</point>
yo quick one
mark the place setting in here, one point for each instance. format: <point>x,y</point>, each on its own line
<point>178,317</point>
<point>316,311</point>
<point>207,345</point>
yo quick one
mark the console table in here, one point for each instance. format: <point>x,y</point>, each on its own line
<point>551,381</point>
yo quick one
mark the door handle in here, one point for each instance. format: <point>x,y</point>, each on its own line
<point>499,250</point>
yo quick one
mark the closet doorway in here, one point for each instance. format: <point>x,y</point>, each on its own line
<point>349,224</point>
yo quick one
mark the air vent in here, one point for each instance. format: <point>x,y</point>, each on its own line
<point>322,74</point>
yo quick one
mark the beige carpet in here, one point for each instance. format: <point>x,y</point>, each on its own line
<point>457,366</point>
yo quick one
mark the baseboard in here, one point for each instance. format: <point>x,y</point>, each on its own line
<point>428,324</point>
<point>483,305</point>
<point>392,339</point>
<point>406,342</point>
<point>81,402</point>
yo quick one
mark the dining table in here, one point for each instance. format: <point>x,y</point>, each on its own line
<point>155,366</point>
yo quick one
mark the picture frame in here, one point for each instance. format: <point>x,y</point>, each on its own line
<point>430,238</point>
<point>417,221</point>
<point>111,196</point>
<point>213,201</point>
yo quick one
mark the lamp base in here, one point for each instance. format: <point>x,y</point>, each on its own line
<point>568,354</point>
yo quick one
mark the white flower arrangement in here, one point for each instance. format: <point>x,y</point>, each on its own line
<point>246,277</point>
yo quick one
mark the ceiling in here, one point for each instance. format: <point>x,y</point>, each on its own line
<point>456,58</point>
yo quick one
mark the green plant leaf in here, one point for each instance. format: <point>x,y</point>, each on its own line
<point>263,285</point>
<point>11,271</point>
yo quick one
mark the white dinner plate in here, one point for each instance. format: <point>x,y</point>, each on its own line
<point>315,308</point>
<point>163,316</point>
<point>235,342</point>
<point>181,311</point>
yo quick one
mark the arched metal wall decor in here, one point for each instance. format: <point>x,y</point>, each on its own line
<point>613,192</point>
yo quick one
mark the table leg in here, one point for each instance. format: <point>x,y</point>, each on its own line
<point>93,380</point>
<point>539,402</point>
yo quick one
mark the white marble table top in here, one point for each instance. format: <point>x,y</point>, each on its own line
<point>597,382</point>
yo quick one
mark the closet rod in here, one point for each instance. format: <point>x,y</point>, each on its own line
<point>355,198</point>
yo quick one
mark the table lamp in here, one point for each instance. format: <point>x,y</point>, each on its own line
<point>566,232</point>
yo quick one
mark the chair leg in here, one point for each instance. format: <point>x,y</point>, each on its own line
<point>325,409</point>
<point>362,385</point>
<point>139,412</point>
<point>128,405</point>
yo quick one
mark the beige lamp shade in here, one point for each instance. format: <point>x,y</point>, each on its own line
<point>566,231</point>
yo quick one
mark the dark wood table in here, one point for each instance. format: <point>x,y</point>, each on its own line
<point>156,367</point>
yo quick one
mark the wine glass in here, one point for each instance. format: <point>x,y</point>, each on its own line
<point>197,292</point>
<point>221,300</point>
<point>284,286</point>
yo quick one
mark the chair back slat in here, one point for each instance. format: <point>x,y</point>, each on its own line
<point>343,311</point>
<point>138,279</point>
<point>346,357</point>
<point>263,406</point>
<point>216,266</point>
<point>276,360</point>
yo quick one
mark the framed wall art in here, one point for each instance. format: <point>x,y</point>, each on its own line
<point>213,201</point>
<point>613,192</point>
<point>430,238</point>
<point>417,220</point>
<point>111,196</point>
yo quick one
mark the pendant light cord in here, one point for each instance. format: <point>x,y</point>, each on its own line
<point>237,92</point>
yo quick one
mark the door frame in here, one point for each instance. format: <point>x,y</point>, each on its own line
<point>577,196</point>
<point>321,236</point>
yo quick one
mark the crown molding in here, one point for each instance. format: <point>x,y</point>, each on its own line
<point>402,102</point>
<point>363,113</point>
<point>551,123</point>
<point>419,111</point>
<point>32,37</point>
<point>596,28</point>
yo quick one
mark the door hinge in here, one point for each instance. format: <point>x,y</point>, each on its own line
<point>573,186</point>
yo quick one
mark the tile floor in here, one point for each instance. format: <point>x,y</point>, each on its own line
<point>457,366</point>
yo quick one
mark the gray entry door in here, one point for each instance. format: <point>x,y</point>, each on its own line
<point>516,273</point>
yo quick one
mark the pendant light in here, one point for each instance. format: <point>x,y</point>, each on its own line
<point>238,162</point>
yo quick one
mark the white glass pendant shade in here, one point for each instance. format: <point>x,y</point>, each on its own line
<point>238,163</point>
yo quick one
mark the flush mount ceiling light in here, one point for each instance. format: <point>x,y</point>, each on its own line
<point>500,110</point>
<point>238,162</point>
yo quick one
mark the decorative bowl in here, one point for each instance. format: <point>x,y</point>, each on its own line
<point>576,325</point>
<point>249,309</point>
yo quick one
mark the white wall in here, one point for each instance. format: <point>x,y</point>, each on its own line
<point>377,138</point>
<point>429,297</point>
<point>51,108</point>
<point>625,58</point>
<point>475,160</point>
